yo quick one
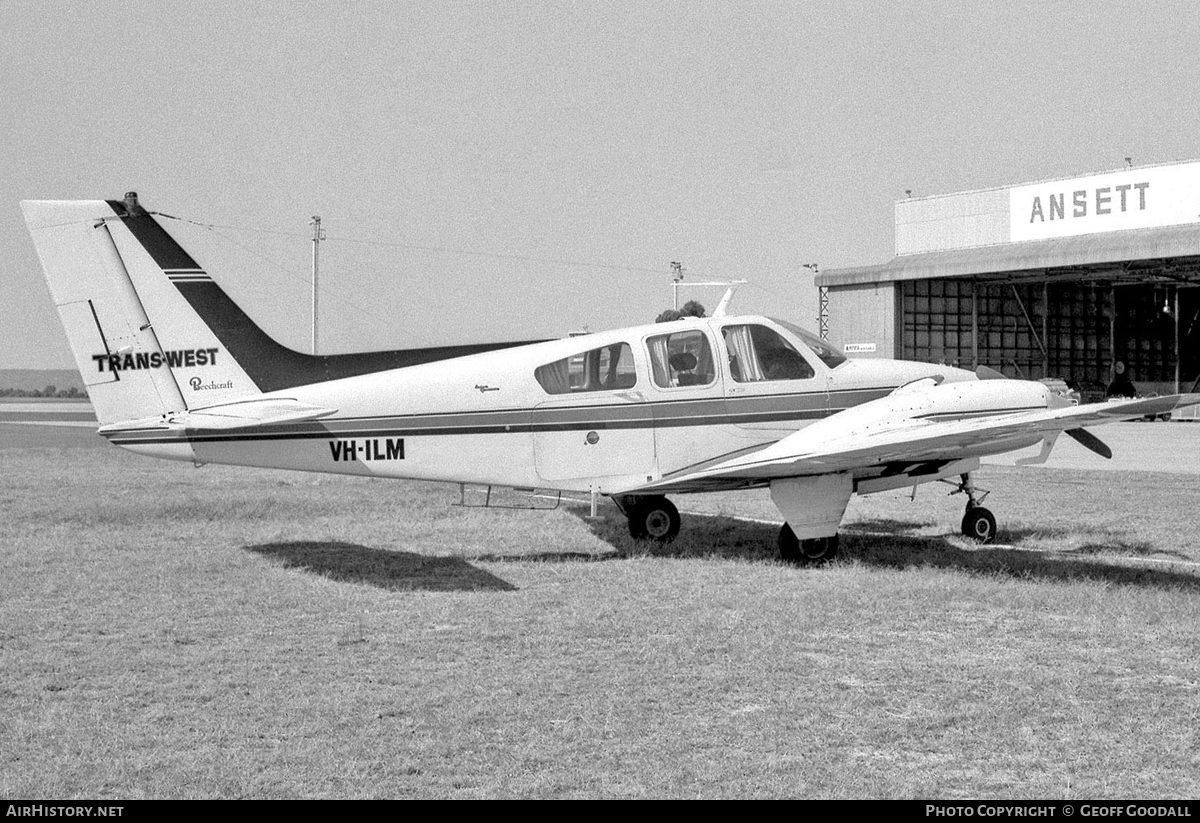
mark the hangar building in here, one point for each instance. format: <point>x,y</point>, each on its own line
<point>1062,279</point>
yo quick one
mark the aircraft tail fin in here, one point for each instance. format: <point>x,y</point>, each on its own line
<point>115,278</point>
<point>154,334</point>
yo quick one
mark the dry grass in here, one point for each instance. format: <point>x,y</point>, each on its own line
<point>167,632</point>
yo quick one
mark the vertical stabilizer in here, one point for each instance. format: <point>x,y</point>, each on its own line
<point>153,333</point>
<point>141,349</point>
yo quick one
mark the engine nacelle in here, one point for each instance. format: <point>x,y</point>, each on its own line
<point>925,401</point>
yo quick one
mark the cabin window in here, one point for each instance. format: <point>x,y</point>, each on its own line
<point>758,353</point>
<point>681,359</point>
<point>602,369</point>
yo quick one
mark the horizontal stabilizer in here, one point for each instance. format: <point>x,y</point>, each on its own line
<point>238,415</point>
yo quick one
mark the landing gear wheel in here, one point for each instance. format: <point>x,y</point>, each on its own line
<point>653,518</point>
<point>806,552</point>
<point>978,523</point>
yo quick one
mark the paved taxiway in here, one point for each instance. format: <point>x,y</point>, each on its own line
<point>1172,447</point>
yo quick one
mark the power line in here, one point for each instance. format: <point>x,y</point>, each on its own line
<point>423,247</point>
<point>358,308</point>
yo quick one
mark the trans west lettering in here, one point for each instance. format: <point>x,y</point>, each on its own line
<point>1103,200</point>
<point>367,449</point>
<point>155,359</point>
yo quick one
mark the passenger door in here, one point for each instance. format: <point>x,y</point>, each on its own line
<point>596,430</point>
<point>688,393</point>
<point>776,385</point>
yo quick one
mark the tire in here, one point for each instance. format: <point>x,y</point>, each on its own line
<point>979,524</point>
<point>813,552</point>
<point>653,518</point>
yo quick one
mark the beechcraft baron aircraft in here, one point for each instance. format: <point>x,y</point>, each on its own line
<point>176,370</point>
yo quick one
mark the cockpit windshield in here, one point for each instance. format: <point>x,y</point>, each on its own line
<point>829,354</point>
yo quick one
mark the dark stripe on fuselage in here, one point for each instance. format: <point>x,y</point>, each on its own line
<point>271,366</point>
<point>793,408</point>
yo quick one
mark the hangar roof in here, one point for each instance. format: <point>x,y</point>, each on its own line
<point>1166,254</point>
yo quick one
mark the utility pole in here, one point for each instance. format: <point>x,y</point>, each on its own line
<point>318,236</point>
<point>677,284</point>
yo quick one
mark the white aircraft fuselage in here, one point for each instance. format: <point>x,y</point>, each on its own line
<point>485,419</point>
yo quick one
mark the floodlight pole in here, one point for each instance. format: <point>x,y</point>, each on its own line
<point>730,286</point>
<point>318,236</point>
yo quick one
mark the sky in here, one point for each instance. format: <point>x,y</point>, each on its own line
<point>515,170</point>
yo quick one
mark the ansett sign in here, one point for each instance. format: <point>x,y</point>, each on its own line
<point>1127,199</point>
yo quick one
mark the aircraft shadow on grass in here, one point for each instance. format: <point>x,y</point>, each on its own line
<point>385,569</point>
<point>887,543</point>
<point>882,543</point>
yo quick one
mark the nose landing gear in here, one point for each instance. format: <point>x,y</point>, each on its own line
<point>977,523</point>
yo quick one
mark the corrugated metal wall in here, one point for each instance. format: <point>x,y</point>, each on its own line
<point>864,314</point>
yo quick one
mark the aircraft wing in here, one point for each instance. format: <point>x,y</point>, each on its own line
<point>236,415</point>
<point>827,448</point>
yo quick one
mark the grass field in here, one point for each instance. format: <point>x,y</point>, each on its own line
<point>173,632</point>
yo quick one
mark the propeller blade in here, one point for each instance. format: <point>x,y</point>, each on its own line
<point>1090,441</point>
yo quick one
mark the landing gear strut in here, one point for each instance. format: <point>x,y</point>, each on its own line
<point>977,523</point>
<point>651,518</point>
<point>806,552</point>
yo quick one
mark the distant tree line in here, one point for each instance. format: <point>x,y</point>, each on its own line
<point>691,308</point>
<point>49,391</point>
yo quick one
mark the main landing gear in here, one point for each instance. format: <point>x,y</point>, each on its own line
<point>977,522</point>
<point>806,552</point>
<point>652,517</point>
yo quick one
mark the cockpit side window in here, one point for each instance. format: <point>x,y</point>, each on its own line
<point>602,369</point>
<point>828,353</point>
<point>758,353</point>
<point>683,358</point>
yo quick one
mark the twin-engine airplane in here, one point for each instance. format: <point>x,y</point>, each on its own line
<point>176,370</point>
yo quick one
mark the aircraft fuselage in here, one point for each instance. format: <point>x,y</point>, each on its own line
<point>490,418</point>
